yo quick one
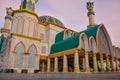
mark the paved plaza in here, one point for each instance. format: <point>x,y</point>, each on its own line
<point>60,76</point>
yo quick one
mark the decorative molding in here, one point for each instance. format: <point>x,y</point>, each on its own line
<point>67,52</point>
<point>24,10</point>
<point>28,37</point>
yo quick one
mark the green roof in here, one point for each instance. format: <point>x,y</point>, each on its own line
<point>66,44</point>
<point>59,37</point>
<point>72,42</point>
<point>91,31</point>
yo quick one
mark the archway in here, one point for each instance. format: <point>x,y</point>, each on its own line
<point>32,56</point>
<point>19,50</point>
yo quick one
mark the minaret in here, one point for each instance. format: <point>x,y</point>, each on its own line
<point>91,13</point>
<point>7,25</point>
<point>28,5</point>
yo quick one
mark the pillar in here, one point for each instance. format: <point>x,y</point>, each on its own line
<point>56,64</point>
<point>65,64</point>
<point>25,61</point>
<point>87,68</point>
<point>108,64</point>
<point>37,61</point>
<point>95,68</point>
<point>83,64</point>
<point>113,65</point>
<point>43,66</point>
<point>117,66</point>
<point>48,65</point>
<point>102,63</point>
<point>76,62</point>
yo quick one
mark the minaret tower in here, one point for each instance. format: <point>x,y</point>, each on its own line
<point>7,25</point>
<point>91,13</point>
<point>28,4</point>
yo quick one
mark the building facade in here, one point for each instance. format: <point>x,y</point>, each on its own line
<point>32,43</point>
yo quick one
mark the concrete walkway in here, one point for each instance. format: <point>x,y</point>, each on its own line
<point>60,76</point>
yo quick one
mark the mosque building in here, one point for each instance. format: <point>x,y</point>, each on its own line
<point>30,43</point>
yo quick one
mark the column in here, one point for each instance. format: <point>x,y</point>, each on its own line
<point>83,64</point>
<point>25,61</point>
<point>117,66</point>
<point>76,62</point>
<point>87,68</point>
<point>43,66</point>
<point>113,65</point>
<point>65,64</point>
<point>102,63</point>
<point>48,65</point>
<point>37,61</point>
<point>108,64</point>
<point>56,64</point>
<point>95,63</point>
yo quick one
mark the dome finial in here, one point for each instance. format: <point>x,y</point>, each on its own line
<point>90,5</point>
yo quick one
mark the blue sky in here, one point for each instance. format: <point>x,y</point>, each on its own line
<point>73,13</point>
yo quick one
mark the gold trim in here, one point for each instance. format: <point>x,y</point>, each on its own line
<point>28,37</point>
<point>62,53</point>
<point>24,10</point>
<point>4,31</point>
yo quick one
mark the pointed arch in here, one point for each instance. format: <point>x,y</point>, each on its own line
<point>104,44</point>
<point>67,34</point>
<point>92,44</point>
<point>19,50</point>
<point>31,46</point>
<point>84,41</point>
<point>32,50</point>
<point>18,44</point>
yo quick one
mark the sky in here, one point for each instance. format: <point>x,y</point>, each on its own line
<point>73,13</point>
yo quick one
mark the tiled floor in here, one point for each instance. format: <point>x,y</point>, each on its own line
<point>60,76</point>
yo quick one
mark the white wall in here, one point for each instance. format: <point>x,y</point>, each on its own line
<point>52,30</point>
<point>25,23</point>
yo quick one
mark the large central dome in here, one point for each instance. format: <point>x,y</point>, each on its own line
<point>50,20</point>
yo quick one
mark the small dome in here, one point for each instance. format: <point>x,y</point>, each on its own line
<point>52,20</point>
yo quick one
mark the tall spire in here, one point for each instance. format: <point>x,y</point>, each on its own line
<point>91,13</point>
<point>28,4</point>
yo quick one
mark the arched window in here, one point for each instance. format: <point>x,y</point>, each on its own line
<point>103,42</point>
<point>67,34</point>
<point>84,42</point>
<point>19,53</point>
<point>93,45</point>
<point>32,57</point>
<point>30,5</point>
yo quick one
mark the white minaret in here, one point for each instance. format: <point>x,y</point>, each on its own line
<point>7,25</point>
<point>91,13</point>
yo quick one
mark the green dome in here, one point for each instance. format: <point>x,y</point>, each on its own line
<point>52,20</point>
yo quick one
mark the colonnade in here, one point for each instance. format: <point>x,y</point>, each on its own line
<point>112,64</point>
